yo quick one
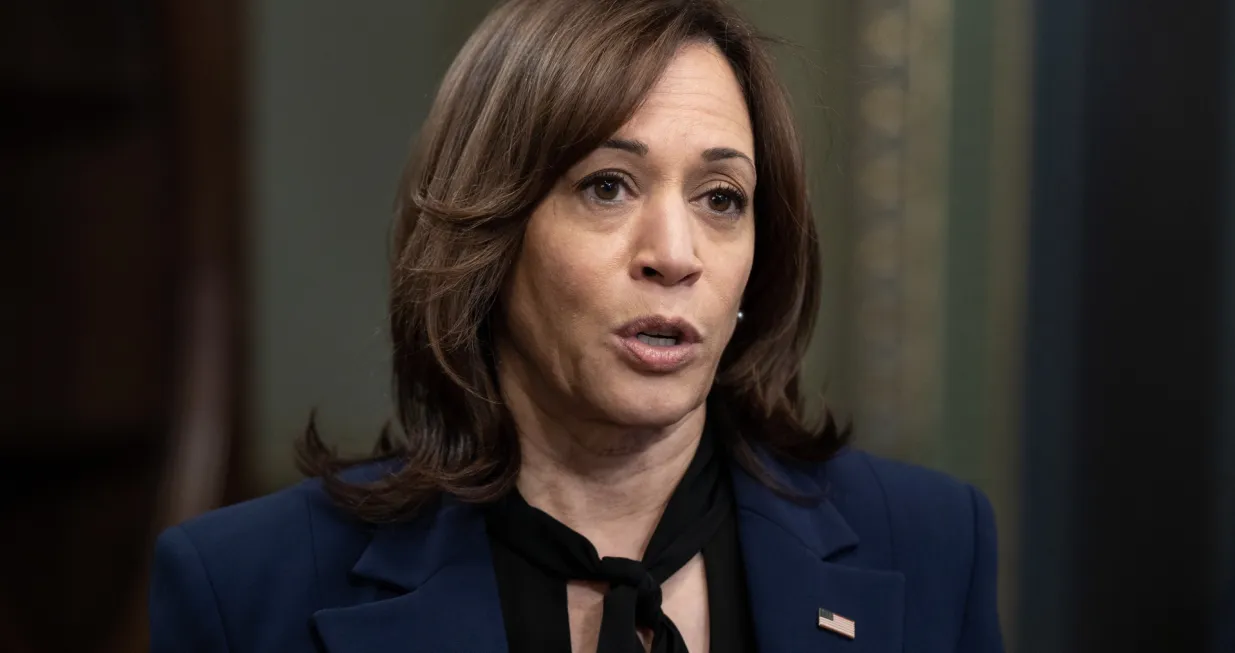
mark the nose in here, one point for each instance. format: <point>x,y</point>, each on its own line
<point>665,244</point>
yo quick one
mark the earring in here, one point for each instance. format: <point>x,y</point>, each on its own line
<point>740,316</point>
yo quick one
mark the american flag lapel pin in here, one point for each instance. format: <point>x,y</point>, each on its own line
<point>837,624</point>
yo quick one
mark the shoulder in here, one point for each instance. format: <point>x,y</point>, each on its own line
<point>273,541</point>
<point>249,527</point>
<point>919,521</point>
<point>254,566</point>
<point>937,531</point>
<point>301,516</point>
<point>295,523</point>
<point>911,499</point>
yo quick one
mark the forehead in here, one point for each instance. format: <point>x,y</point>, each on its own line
<point>698,97</point>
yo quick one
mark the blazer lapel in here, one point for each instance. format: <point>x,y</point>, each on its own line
<point>794,565</point>
<point>446,594</point>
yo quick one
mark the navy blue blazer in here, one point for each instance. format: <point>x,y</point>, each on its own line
<point>907,554</point>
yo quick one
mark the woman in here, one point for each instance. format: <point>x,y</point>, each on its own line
<point>605,277</point>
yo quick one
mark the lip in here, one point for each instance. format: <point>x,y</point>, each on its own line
<point>654,358</point>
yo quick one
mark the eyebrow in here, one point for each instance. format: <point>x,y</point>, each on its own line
<point>641,149</point>
<point>627,145</point>
<point>722,153</point>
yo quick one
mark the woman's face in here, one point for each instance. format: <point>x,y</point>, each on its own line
<point>630,278</point>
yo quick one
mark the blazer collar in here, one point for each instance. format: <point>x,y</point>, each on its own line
<point>441,568</point>
<point>448,602</point>
<point>809,517</point>
<point>434,537</point>
<point>795,555</point>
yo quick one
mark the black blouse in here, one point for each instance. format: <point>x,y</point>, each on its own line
<point>534,555</point>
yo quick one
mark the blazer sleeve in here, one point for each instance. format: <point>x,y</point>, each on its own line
<point>184,613</point>
<point>980,632</point>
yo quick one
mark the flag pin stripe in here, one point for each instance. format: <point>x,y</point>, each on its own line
<point>829,620</point>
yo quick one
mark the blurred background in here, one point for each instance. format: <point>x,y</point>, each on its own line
<point>1027,212</point>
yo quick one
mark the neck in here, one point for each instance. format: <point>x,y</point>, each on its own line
<point>607,482</point>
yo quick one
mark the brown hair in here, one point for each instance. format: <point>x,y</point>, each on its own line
<point>539,85</point>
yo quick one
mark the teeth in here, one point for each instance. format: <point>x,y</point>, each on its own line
<point>656,341</point>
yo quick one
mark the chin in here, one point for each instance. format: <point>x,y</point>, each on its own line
<point>651,403</point>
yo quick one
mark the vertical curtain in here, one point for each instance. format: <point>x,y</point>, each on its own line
<point>937,184</point>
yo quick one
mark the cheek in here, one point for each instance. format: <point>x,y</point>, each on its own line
<point>744,269</point>
<point>558,275</point>
<point>739,258</point>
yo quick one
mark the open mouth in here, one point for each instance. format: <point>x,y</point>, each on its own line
<point>661,338</point>
<point>657,344</point>
<point>660,331</point>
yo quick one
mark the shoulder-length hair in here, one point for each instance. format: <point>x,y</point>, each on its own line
<point>538,86</point>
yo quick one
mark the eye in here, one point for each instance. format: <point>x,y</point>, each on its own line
<point>720,201</point>
<point>725,199</point>
<point>605,187</point>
